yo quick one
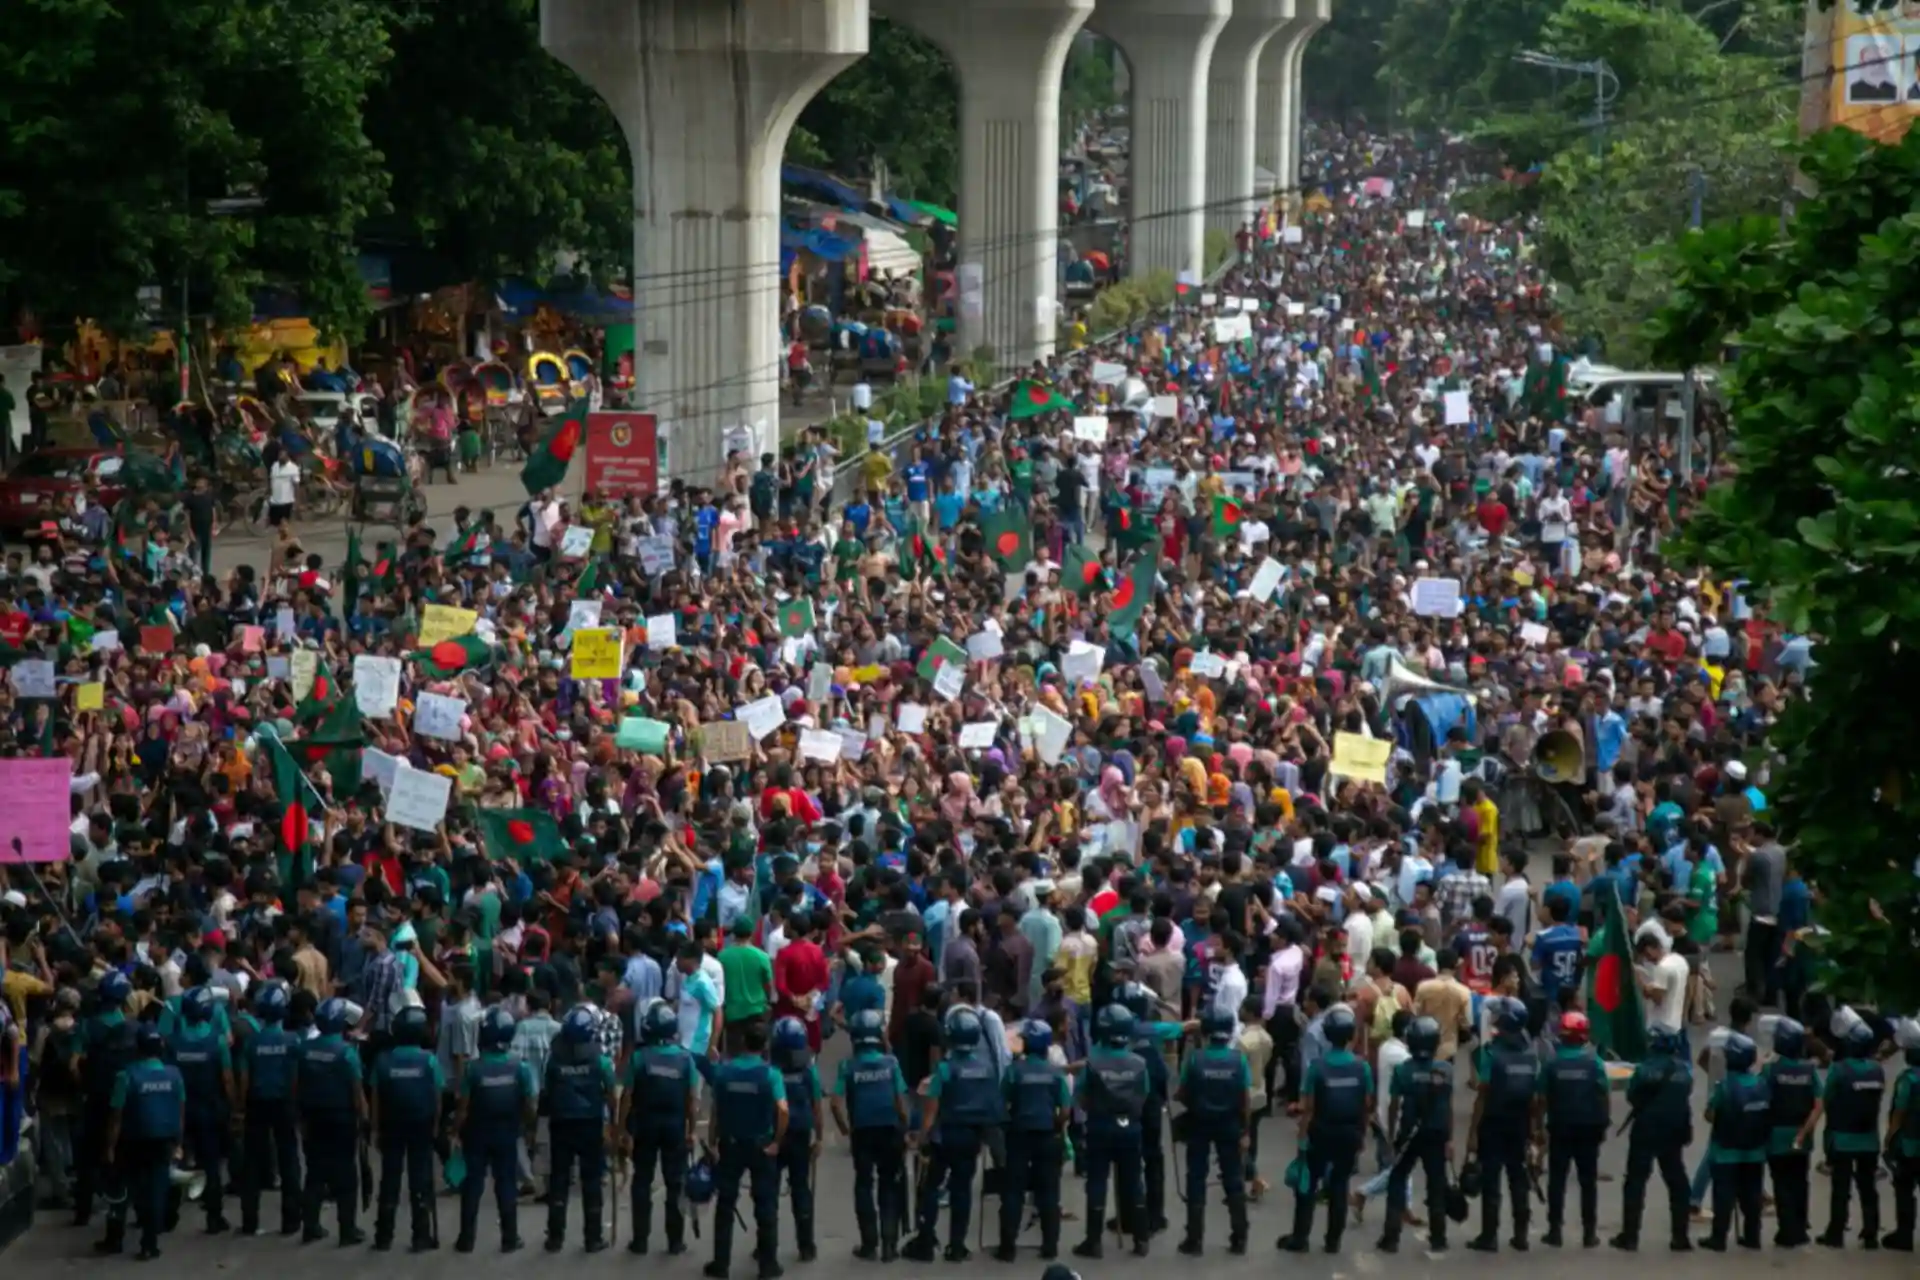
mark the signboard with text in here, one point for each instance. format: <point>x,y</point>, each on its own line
<point>623,453</point>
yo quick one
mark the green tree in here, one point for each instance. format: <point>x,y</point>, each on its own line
<point>899,105</point>
<point>1820,519</point>
<point>1087,83</point>
<point>124,120</point>
<point>1452,65</point>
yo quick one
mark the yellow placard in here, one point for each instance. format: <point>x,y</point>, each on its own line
<point>90,697</point>
<point>868,675</point>
<point>444,622</point>
<point>1522,578</point>
<point>1361,758</point>
<point>1875,90</point>
<point>597,653</point>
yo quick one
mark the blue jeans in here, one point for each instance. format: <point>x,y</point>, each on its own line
<point>1702,1179</point>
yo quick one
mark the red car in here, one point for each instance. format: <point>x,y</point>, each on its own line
<point>41,485</point>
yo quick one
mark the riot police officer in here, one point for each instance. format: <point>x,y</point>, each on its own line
<point>1336,1103</point>
<point>495,1101</point>
<point>1574,1087</point>
<point>750,1115</point>
<point>268,1132</point>
<point>332,1105</point>
<point>1793,1091</point>
<point>870,1107</point>
<point>106,1048</point>
<point>963,1102</point>
<point>801,1147</point>
<point>1038,1101</point>
<point>1216,1088</point>
<point>1855,1087</point>
<point>1903,1135</point>
<point>206,1064</point>
<point>578,1097</point>
<point>407,1084</point>
<point>147,1120</point>
<point>1738,1111</point>
<point>1149,1034</point>
<point>1113,1094</point>
<point>1421,1119</point>
<point>1659,1127</point>
<point>1506,1080</point>
<point>656,1123</point>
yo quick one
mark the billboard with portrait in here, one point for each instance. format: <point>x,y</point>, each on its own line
<point>1875,50</point>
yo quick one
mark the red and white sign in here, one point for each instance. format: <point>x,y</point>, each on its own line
<point>623,454</point>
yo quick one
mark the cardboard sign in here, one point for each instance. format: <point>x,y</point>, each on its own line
<point>418,798</point>
<point>598,653</point>
<point>725,740</point>
<point>762,716</point>
<point>1437,597</point>
<point>34,819</point>
<point>436,715</point>
<point>443,622</point>
<point>157,639</point>
<point>1361,758</point>
<point>376,684</point>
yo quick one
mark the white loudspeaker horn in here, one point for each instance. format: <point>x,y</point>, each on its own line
<point>1402,680</point>
<point>191,1182</point>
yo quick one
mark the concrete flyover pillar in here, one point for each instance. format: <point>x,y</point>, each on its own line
<point>706,93</point>
<point>1277,133</point>
<point>1169,44</point>
<point>1009,55</point>
<point>1233,111</point>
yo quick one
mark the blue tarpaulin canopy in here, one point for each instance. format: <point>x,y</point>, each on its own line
<point>521,298</point>
<point>821,186</point>
<point>824,245</point>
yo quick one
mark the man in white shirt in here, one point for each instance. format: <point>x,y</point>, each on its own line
<point>1663,982</point>
<point>544,511</point>
<point>283,483</point>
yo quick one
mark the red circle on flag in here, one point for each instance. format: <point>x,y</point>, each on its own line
<point>1038,394</point>
<point>1123,594</point>
<point>1007,543</point>
<point>565,440</point>
<point>1609,978</point>
<point>449,654</point>
<point>520,831</point>
<point>1230,514</point>
<point>1089,572</point>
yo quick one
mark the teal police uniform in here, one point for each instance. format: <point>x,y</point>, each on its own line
<point>660,1083</point>
<point>1855,1089</point>
<point>747,1093</point>
<point>407,1084</point>
<point>1574,1090</point>
<point>1341,1089</point>
<point>327,1084</point>
<point>1112,1094</point>
<point>1793,1090</point>
<point>793,1058</point>
<point>577,1097</point>
<point>1507,1073</point>
<point>268,1131</point>
<point>967,1087</point>
<point>1423,1085</point>
<point>1148,1036</point>
<point>105,1048</point>
<point>1904,1142</point>
<point>498,1091</point>
<point>1036,1097</point>
<point>1659,1127</point>
<point>1214,1086</point>
<point>1738,1111</point>
<point>871,1085</point>
<point>150,1097</point>
<point>205,1061</point>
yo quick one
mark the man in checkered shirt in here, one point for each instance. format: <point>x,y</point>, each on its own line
<point>1455,891</point>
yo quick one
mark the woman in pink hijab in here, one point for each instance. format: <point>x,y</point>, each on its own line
<point>956,806</point>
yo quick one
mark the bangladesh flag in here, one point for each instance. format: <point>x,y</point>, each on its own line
<point>589,581</point>
<point>796,618</point>
<point>1133,530</point>
<point>923,554</point>
<point>322,698</point>
<point>451,657</point>
<point>525,835</point>
<point>1009,539</point>
<point>1082,573</point>
<point>1371,388</point>
<point>547,464</point>
<point>292,789</point>
<point>386,570</point>
<point>350,577</point>
<point>1227,515</point>
<point>335,743</point>
<point>1613,996</point>
<point>1135,590</point>
<point>1031,399</point>
<point>465,545</point>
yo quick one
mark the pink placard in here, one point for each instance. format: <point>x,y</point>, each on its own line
<point>36,810</point>
<point>252,639</point>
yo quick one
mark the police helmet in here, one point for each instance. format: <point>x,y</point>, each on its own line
<point>1423,1037</point>
<point>578,1026</point>
<point>270,1004</point>
<point>1113,1026</point>
<point>659,1024</point>
<point>1510,1016</point>
<point>1137,999</point>
<point>789,1041</point>
<point>1036,1037</point>
<point>147,1041</point>
<point>496,1028</point>
<point>115,990</point>
<point>410,1026</point>
<point>963,1029</point>
<point>1789,1038</point>
<point>330,1019</point>
<point>1740,1052</point>
<point>1860,1039</point>
<point>1470,1179</point>
<point>196,1006</point>
<point>867,1029</point>
<point>699,1183</point>
<point>1339,1026</point>
<point>1574,1028</point>
<point>1218,1025</point>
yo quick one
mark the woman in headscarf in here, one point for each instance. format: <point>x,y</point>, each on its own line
<point>956,804</point>
<point>1109,801</point>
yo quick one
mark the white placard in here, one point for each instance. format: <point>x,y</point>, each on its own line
<point>762,716</point>
<point>108,641</point>
<point>305,669</point>
<point>1055,731</point>
<point>1166,406</point>
<point>977,736</point>
<point>378,765</point>
<point>912,718</point>
<point>1209,666</point>
<point>819,683</point>
<point>436,715</point>
<point>1436,597</point>
<point>1267,579</point>
<point>576,542</point>
<point>1106,373</point>
<point>1534,633</point>
<point>1296,309</point>
<point>33,678</point>
<point>1232,329</point>
<point>278,668</point>
<point>1209,299</point>
<point>853,743</point>
<point>582,615</point>
<point>418,799</point>
<point>1292,235</point>
<point>283,624</point>
<point>950,680</point>
<point>1230,303</point>
<point>1459,408</point>
<point>376,684</point>
<point>1082,662</point>
<point>1092,428</point>
<point>656,554</point>
<point>663,631</point>
<point>1416,218</point>
<point>1249,306</point>
<point>820,744</point>
<point>984,646</point>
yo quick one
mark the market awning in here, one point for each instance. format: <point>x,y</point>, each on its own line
<point>821,244</point>
<point>934,211</point>
<point>519,299</point>
<point>822,186</point>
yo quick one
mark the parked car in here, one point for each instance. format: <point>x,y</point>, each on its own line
<point>41,485</point>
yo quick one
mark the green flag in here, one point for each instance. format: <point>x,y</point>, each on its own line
<point>547,464</point>
<point>291,788</point>
<point>335,743</point>
<point>796,617</point>
<point>589,581</point>
<point>1227,515</point>
<point>1133,529</point>
<point>1031,399</point>
<point>1613,994</point>
<point>1135,589</point>
<point>938,654</point>
<point>525,835</point>
<point>451,657</point>
<point>1009,538</point>
<point>350,576</point>
<point>320,699</point>
<point>1082,573</point>
<point>465,544</point>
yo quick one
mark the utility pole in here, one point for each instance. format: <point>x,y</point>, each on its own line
<point>1689,392</point>
<point>1606,87</point>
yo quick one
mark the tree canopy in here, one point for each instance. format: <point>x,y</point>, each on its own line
<point>898,106</point>
<point>1819,517</point>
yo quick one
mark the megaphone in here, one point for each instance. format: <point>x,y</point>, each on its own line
<point>1558,757</point>
<point>1402,680</point>
<point>190,1183</point>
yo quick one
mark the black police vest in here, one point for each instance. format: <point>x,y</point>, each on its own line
<point>800,1118</point>
<point>1792,1089</point>
<point>493,1094</point>
<point>1035,1086</point>
<point>326,1077</point>
<point>407,1090</point>
<point>1426,1108</point>
<point>870,1091</point>
<point>1661,1094</point>
<point>662,1079</point>
<point>269,1054</point>
<point>1743,1120</point>
<point>1157,1078</point>
<point>151,1111</point>
<point>198,1058</point>
<point>109,1052</point>
<point>1340,1097</point>
<point>970,1096</point>
<point>1856,1089</point>
<point>1576,1098</point>
<point>1512,1075</point>
<point>743,1101</point>
<point>1214,1090</point>
<point>1116,1086</point>
<point>573,1086</point>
